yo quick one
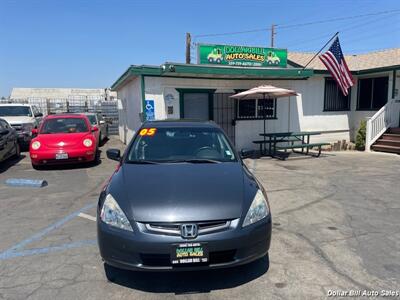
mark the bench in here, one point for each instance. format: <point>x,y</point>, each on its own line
<point>264,142</point>
<point>302,146</point>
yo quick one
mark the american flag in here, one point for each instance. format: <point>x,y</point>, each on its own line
<point>333,60</point>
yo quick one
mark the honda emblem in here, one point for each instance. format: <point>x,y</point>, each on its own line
<point>189,231</point>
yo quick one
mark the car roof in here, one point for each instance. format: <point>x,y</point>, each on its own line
<point>180,123</point>
<point>55,116</point>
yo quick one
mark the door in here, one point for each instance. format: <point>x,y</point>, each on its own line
<point>196,106</point>
<point>224,114</point>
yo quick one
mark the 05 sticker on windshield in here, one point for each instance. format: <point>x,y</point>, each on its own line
<point>148,131</point>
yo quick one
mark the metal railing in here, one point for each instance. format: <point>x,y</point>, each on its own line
<point>108,108</point>
<point>388,116</point>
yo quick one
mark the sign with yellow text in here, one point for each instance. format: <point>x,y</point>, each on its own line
<point>242,56</point>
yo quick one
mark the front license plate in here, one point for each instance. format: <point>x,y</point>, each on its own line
<point>61,155</point>
<point>189,253</point>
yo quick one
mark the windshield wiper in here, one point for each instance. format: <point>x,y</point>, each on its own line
<point>143,162</point>
<point>201,161</point>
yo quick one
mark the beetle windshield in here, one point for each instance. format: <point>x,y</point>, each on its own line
<point>181,144</point>
<point>64,125</point>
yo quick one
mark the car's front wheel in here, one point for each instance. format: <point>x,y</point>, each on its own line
<point>17,150</point>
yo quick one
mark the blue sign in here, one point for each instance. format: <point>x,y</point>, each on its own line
<point>149,110</point>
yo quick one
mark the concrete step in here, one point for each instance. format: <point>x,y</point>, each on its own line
<point>385,148</point>
<point>383,141</point>
<point>391,136</point>
<point>395,130</point>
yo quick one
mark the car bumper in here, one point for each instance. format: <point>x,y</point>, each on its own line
<point>151,252</point>
<point>48,157</point>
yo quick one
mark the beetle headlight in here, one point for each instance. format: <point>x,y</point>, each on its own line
<point>87,142</point>
<point>35,145</point>
<point>113,215</point>
<point>258,209</point>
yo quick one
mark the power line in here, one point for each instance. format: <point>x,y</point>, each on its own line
<point>339,19</point>
<point>341,30</point>
<point>283,26</point>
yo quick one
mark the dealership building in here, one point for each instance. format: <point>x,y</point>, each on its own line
<point>202,90</point>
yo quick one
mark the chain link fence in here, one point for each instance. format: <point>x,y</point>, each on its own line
<point>76,104</point>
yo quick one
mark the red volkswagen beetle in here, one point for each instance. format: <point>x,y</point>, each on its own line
<point>64,138</point>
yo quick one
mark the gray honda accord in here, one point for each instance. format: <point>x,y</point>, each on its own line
<point>182,199</point>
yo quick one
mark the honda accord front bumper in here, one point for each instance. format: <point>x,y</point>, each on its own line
<point>141,250</point>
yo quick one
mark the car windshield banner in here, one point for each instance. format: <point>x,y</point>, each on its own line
<point>241,56</point>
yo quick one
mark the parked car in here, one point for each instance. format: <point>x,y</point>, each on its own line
<point>8,141</point>
<point>98,121</point>
<point>63,138</point>
<point>182,199</point>
<point>23,118</point>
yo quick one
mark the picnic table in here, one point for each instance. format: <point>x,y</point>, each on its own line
<point>294,140</point>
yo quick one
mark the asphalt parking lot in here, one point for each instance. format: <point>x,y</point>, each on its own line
<point>335,227</point>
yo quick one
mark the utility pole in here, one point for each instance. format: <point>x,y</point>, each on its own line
<point>188,44</point>
<point>272,35</point>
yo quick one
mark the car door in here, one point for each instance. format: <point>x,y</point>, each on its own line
<point>102,125</point>
<point>3,143</point>
<point>7,140</point>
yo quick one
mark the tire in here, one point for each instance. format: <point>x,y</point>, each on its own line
<point>210,60</point>
<point>37,167</point>
<point>97,157</point>
<point>17,153</point>
<point>218,60</point>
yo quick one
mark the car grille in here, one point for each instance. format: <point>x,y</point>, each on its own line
<point>163,260</point>
<point>17,127</point>
<point>203,227</point>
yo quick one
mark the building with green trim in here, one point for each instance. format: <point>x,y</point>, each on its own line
<point>175,90</point>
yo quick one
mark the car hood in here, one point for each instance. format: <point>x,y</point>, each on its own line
<point>62,140</point>
<point>18,120</point>
<point>180,192</point>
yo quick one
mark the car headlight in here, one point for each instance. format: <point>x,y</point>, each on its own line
<point>258,209</point>
<point>113,215</point>
<point>87,142</point>
<point>27,127</point>
<point>35,145</point>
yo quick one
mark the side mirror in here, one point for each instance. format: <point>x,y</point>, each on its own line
<point>246,153</point>
<point>95,128</point>
<point>114,154</point>
<point>34,131</point>
<point>102,122</point>
<point>39,115</point>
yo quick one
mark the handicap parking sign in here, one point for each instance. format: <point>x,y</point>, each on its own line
<point>149,110</point>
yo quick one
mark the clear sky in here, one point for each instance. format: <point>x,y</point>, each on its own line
<point>89,44</point>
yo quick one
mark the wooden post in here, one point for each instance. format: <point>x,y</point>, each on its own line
<point>272,35</point>
<point>188,43</point>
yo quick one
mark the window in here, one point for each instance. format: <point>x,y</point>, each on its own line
<point>253,109</point>
<point>180,144</point>
<point>334,99</point>
<point>372,93</point>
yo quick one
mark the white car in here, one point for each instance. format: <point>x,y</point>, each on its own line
<point>23,118</point>
<point>98,120</point>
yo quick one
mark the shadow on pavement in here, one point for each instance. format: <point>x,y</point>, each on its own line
<point>5,165</point>
<point>188,282</point>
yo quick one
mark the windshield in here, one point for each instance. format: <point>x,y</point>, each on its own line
<point>92,119</point>
<point>180,144</point>
<point>64,125</point>
<point>15,111</point>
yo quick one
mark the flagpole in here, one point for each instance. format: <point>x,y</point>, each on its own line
<point>335,35</point>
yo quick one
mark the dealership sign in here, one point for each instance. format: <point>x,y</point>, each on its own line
<point>242,56</point>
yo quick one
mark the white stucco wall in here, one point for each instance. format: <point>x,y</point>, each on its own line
<point>130,96</point>
<point>306,109</point>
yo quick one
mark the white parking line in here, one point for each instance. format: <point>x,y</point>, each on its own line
<point>86,216</point>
